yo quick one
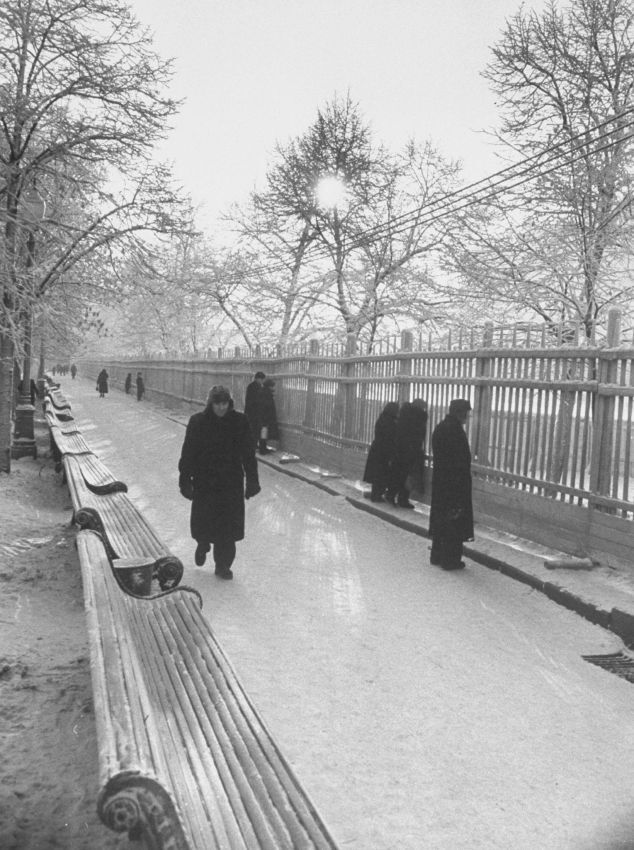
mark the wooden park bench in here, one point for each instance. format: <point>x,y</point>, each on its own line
<point>185,761</point>
<point>100,503</point>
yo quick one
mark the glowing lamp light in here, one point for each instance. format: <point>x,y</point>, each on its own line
<point>330,192</point>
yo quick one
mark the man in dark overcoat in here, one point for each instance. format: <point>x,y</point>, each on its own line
<point>102,383</point>
<point>217,456</point>
<point>451,517</point>
<point>381,454</point>
<point>409,451</point>
<point>253,404</point>
<point>269,429</point>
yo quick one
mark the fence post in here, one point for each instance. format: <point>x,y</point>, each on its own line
<point>350,388</point>
<point>309,409</point>
<point>603,419</point>
<point>405,366</point>
<point>482,398</point>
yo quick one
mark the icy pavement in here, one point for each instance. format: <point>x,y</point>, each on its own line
<point>419,708</point>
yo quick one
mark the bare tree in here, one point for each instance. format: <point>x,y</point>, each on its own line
<point>82,105</point>
<point>558,244</point>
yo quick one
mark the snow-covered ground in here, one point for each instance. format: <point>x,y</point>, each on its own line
<point>419,708</point>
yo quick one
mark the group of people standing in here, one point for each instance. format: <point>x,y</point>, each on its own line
<point>140,385</point>
<point>102,384</point>
<point>397,452</point>
<point>397,456</point>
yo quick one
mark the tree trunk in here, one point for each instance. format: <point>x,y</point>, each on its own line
<point>6,400</point>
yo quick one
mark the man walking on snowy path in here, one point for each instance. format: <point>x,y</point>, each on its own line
<point>217,456</point>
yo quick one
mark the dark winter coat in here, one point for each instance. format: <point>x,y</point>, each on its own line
<point>267,414</point>
<point>381,453</point>
<point>451,505</point>
<point>411,428</point>
<point>217,455</point>
<point>140,387</point>
<point>128,382</point>
<point>252,407</point>
<point>102,381</point>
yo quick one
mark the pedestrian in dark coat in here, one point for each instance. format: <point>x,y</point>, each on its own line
<point>409,451</point>
<point>451,517</point>
<point>217,455</point>
<point>267,416</point>
<point>253,404</point>
<point>73,371</point>
<point>140,386</point>
<point>381,454</point>
<point>102,383</point>
<point>128,383</point>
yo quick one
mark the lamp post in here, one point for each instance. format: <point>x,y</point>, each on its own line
<point>32,209</point>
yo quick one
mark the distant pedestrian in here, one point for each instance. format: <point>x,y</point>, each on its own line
<point>253,405</point>
<point>73,371</point>
<point>451,517</point>
<point>102,383</point>
<point>267,417</point>
<point>379,463</point>
<point>409,451</point>
<point>140,386</point>
<point>217,456</point>
<point>128,383</point>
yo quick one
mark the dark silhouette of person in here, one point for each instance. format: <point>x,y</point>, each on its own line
<point>253,405</point>
<point>451,516</point>
<point>267,417</point>
<point>218,454</point>
<point>381,453</point>
<point>409,451</point>
<point>102,383</point>
<point>140,386</point>
<point>73,371</point>
<point>128,383</point>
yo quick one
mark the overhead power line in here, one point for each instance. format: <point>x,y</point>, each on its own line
<point>552,158</point>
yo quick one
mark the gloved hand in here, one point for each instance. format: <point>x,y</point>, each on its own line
<point>186,486</point>
<point>252,489</point>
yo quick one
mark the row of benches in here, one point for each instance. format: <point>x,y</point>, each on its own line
<point>185,761</point>
<point>100,503</point>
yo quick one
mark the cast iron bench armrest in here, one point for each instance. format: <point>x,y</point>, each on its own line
<point>185,761</point>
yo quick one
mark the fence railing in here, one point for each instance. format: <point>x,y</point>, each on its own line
<point>554,422</point>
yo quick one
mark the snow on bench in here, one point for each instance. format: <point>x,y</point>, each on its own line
<point>185,761</point>
<point>130,540</point>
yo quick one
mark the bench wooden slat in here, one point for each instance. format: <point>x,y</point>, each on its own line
<point>205,763</point>
<point>128,535</point>
<point>98,477</point>
<point>69,444</point>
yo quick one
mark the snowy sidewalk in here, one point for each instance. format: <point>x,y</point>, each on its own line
<point>603,594</point>
<point>417,707</point>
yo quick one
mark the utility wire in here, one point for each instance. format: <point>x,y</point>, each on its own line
<point>490,187</point>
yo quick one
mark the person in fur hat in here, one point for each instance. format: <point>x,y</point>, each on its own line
<point>218,471</point>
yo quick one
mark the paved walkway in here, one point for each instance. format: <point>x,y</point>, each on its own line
<point>602,593</point>
<point>417,707</point>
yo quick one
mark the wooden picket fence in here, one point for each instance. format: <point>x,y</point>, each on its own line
<point>552,432</point>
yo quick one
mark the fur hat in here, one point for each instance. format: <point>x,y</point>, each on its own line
<point>459,405</point>
<point>218,395</point>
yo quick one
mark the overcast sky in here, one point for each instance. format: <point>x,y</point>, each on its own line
<point>253,72</point>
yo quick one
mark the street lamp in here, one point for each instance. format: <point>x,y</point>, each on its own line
<point>32,209</point>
